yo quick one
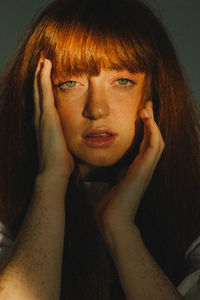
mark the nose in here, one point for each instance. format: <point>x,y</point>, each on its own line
<point>96,106</point>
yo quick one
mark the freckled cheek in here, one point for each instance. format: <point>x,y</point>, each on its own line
<point>128,124</point>
<point>129,131</point>
<point>70,119</point>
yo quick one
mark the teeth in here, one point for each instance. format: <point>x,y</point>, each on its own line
<point>101,134</point>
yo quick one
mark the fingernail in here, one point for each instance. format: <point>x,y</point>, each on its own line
<point>148,113</point>
<point>41,61</point>
<point>150,103</point>
<point>47,62</point>
<point>149,107</point>
<point>145,114</point>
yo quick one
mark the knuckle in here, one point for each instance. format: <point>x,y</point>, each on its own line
<point>46,120</point>
<point>42,78</point>
<point>43,118</point>
<point>162,144</point>
<point>162,147</point>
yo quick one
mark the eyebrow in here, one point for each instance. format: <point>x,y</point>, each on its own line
<point>65,75</point>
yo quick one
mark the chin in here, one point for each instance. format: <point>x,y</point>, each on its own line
<point>99,160</point>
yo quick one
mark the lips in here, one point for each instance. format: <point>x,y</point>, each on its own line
<point>98,138</point>
<point>98,133</point>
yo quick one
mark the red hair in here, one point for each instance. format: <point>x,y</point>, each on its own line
<point>85,36</point>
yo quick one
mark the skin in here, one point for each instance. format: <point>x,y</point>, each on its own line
<point>103,101</point>
<point>34,271</point>
<point>110,101</point>
<point>53,156</point>
<point>115,212</point>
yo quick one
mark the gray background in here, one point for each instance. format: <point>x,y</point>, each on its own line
<point>181,17</point>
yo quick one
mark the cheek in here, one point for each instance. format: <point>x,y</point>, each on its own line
<point>127,117</point>
<point>129,125</point>
<point>127,133</point>
<point>68,110</point>
<point>70,119</point>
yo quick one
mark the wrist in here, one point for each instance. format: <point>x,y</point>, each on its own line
<point>51,180</point>
<point>49,174</point>
<point>118,232</point>
<point>56,171</point>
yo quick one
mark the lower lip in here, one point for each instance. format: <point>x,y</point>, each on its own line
<point>101,141</point>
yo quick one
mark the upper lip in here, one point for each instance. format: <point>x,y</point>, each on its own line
<point>97,131</point>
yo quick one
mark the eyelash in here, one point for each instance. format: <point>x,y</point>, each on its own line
<point>62,84</point>
<point>129,83</point>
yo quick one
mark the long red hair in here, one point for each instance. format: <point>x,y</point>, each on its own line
<point>84,36</point>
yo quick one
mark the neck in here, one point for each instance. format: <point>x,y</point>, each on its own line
<point>110,174</point>
<point>91,173</point>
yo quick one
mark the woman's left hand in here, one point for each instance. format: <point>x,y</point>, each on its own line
<point>119,206</point>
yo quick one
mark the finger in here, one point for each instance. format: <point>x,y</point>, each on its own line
<point>156,146</point>
<point>48,103</point>
<point>150,149</point>
<point>36,98</point>
<point>152,141</point>
<point>144,114</point>
<point>149,107</point>
<point>36,92</point>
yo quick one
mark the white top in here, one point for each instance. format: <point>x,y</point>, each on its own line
<point>189,287</point>
<point>6,245</point>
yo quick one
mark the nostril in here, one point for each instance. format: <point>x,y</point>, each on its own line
<point>96,111</point>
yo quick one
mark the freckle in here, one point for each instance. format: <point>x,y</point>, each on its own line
<point>1,288</point>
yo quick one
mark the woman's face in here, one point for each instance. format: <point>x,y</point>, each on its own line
<point>98,114</point>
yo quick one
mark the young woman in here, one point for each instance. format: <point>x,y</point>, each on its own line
<point>99,159</point>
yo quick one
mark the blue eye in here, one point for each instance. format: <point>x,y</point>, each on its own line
<point>125,82</point>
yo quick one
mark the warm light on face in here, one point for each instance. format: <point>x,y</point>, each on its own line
<point>98,114</point>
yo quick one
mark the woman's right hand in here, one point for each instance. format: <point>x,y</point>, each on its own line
<point>54,156</point>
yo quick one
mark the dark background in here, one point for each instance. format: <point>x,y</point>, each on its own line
<point>181,17</point>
